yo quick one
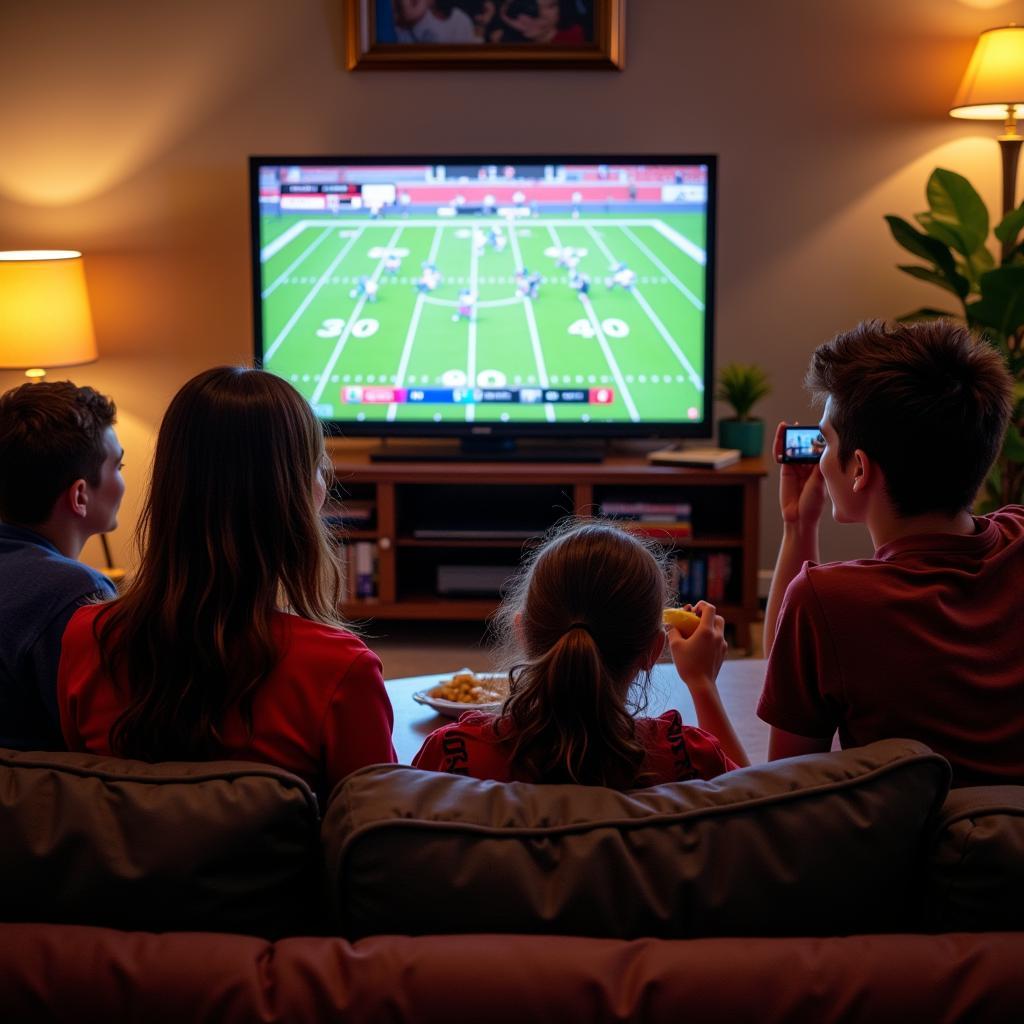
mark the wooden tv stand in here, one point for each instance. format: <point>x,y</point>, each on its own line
<point>424,515</point>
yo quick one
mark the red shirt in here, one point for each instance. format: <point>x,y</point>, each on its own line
<point>924,641</point>
<point>321,713</point>
<point>472,746</point>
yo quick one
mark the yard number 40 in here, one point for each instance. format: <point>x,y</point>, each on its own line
<point>612,328</point>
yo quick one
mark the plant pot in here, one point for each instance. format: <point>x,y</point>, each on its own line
<point>747,435</point>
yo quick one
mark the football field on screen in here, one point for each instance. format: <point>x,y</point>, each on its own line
<point>644,344</point>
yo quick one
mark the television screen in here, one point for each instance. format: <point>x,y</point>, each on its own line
<point>532,296</point>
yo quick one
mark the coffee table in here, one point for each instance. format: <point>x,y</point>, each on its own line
<point>739,683</point>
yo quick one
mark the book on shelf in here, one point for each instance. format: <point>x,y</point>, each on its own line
<point>366,584</point>
<point>350,515</point>
<point>701,458</point>
<point>656,528</point>
<point>643,509</point>
<point>359,560</point>
<point>702,577</point>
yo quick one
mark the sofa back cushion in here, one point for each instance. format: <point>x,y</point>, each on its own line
<point>976,861</point>
<point>220,846</point>
<point>825,844</point>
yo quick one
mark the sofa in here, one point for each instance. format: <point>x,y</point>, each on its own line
<point>850,886</point>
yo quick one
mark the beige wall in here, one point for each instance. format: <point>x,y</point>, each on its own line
<point>125,126</point>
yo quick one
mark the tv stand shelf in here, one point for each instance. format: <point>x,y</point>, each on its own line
<point>428,515</point>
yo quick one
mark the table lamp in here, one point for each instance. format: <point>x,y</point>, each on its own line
<point>993,90</point>
<point>44,311</point>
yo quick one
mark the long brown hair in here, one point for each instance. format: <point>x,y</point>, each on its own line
<point>229,533</point>
<point>589,606</point>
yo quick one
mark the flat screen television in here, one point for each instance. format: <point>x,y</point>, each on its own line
<point>489,297</point>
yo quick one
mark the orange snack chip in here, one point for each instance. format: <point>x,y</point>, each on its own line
<point>682,620</point>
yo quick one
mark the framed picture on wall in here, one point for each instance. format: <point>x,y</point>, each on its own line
<point>403,34</point>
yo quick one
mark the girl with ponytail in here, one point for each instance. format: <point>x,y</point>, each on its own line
<point>581,629</point>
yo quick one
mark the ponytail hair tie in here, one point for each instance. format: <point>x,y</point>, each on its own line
<point>584,627</point>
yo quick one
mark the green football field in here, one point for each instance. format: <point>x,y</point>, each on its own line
<point>643,345</point>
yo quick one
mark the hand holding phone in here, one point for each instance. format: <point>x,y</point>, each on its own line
<point>802,444</point>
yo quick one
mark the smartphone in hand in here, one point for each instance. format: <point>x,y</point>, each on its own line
<point>802,444</point>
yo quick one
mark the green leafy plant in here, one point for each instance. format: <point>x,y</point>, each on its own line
<point>742,385</point>
<point>954,246</point>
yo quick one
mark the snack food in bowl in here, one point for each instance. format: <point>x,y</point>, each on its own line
<point>467,687</point>
<point>465,691</point>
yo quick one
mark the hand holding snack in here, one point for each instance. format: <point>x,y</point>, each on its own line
<point>699,656</point>
<point>681,619</point>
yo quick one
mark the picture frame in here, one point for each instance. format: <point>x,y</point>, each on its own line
<point>474,34</point>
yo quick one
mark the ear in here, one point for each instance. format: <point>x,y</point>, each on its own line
<point>76,499</point>
<point>865,471</point>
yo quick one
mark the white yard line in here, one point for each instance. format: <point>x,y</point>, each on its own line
<point>695,377</point>
<point>612,364</point>
<point>286,330</point>
<point>286,236</point>
<point>661,328</point>
<point>531,321</point>
<point>410,334</point>
<point>694,251</point>
<point>661,266</point>
<point>350,323</point>
<point>309,248</point>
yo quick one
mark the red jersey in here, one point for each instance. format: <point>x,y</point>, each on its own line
<point>924,641</point>
<point>321,713</point>
<point>473,746</point>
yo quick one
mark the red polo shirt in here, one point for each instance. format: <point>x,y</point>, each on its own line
<point>924,641</point>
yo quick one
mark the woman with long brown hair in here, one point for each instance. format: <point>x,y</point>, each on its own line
<point>228,642</point>
<point>582,628</point>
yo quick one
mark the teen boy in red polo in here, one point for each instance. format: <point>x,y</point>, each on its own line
<point>926,639</point>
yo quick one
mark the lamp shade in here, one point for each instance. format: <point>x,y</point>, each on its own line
<point>994,79</point>
<point>45,319</point>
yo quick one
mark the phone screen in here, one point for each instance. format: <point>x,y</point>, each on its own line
<point>802,444</point>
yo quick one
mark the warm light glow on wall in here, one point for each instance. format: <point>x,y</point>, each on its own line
<point>994,80</point>
<point>45,319</point>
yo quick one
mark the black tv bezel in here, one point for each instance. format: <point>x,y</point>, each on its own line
<point>451,429</point>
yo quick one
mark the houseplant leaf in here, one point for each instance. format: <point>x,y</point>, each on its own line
<point>921,244</point>
<point>1001,305</point>
<point>959,285</point>
<point>954,202</point>
<point>1009,227</point>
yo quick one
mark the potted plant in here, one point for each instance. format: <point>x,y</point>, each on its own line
<point>742,385</point>
<point>954,245</point>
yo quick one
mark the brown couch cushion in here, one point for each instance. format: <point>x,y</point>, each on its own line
<point>81,975</point>
<point>825,844</point>
<point>223,846</point>
<point>976,861</point>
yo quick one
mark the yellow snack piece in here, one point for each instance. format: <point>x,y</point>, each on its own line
<point>680,619</point>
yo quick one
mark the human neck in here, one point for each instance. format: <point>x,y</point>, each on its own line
<point>64,536</point>
<point>885,527</point>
